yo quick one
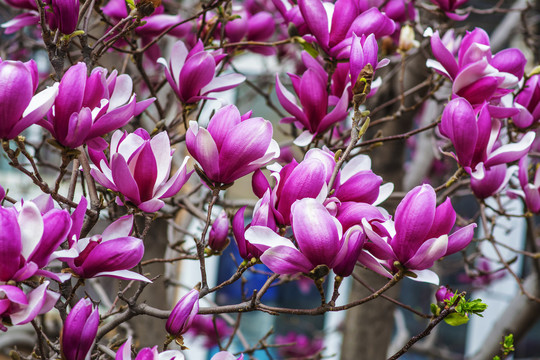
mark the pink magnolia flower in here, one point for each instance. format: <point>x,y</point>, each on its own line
<point>111,253</point>
<point>347,18</point>
<point>183,314</point>
<point>320,241</point>
<point>79,332</point>
<point>232,146</point>
<point>257,26</point>
<point>88,107</point>
<point>449,7</point>
<point>478,75</point>
<point>21,308</point>
<point>211,328</point>
<point>191,74</point>
<point>443,293</point>
<point>530,190</point>
<point>19,108</point>
<point>419,236</point>
<point>218,236</point>
<point>495,180</point>
<point>312,114</point>
<point>476,138</point>
<point>28,240</point>
<point>528,103</point>
<point>303,346</point>
<point>124,353</point>
<point>64,15</point>
<point>139,169</point>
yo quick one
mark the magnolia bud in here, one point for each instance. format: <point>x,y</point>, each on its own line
<point>183,313</point>
<point>79,332</point>
<point>218,238</point>
<point>406,39</point>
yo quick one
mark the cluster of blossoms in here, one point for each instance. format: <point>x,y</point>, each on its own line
<point>319,214</point>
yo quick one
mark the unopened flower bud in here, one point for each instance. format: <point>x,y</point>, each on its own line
<point>443,294</point>
<point>183,313</point>
<point>79,332</point>
<point>406,39</point>
<point>218,238</point>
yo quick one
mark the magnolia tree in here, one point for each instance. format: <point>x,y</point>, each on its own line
<point>127,84</point>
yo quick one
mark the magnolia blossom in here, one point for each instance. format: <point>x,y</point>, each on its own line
<point>478,75</point>
<point>79,332</point>
<point>494,181</point>
<point>191,74</point>
<point>139,169</point>
<point>312,114</point>
<point>183,313</point>
<point>528,103</point>
<point>449,7</point>
<point>232,146</point>
<point>530,190</point>
<point>347,18</point>
<point>302,347</point>
<point>28,240</point>
<point>21,308</point>
<point>65,15</point>
<point>218,236</point>
<point>257,26</point>
<point>19,108</point>
<point>443,293</point>
<point>419,235</point>
<point>111,253</point>
<point>320,241</point>
<point>124,353</point>
<point>88,107</point>
<point>212,329</point>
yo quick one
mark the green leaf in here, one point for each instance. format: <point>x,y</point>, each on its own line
<point>456,319</point>
<point>435,310</point>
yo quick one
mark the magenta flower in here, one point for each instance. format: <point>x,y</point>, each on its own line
<point>478,75</point>
<point>312,114</point>
<point>476,138</point>
<point>139,169</point>
<point>19,108</point>
<point>419,236</point>
<point>346,19</point>
<point>303,346</point>
<point>89,107</point>
<point>218,237</point>
<point>65,15</point>
<point>124,353</point>
<point>495,180</point>
<point>259,26</point>
<point>79,332</point>
<point>210,328</point>
<point>320,242</point>
<point>22,308</point>
<point>109,254</point>
<point>232,146</point>
<point>531,190</point>
<point>28,240</point>
<point>528,103</point>
<point>183,313</point>
<point>449,7</point>
<point>191,74</point>
<point>443,293</point>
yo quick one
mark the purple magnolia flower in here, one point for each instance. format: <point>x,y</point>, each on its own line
<point>89,107</point>
<point>418,237</point>
<point>183,313</point>
<point>528,103</point>
<point>443,293</point>
<point>139,169</point>
<point>320,242</point>
<point>476,138</point>
<point>258,26</point>
<point>232,146</point>
<point>191,74</point>
<point>478,75</point>
<point>313,114</point>
<point>449,7</point>
<point>124,353</point>
<point>28,240</point>
<point>495,180</point>
<point>19,108</point>
<point>64,16</point>
<point>21,308</point>
<point>347,18</point>
<point>218,237</point>
<point>109,254</point>
<point>79,332</point>
<point>531,191</point>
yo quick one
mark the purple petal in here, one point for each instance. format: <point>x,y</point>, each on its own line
<point>57,224</point>
<point>316,19</point>
<point>285,260</point>
<point>10,244</point>
<point>202,147</point>
<point>460,239</point>
<point>429,252</point>
<point>70,97</point>
<point>222,122</point>
<point>15,93</point>
<point>444,56</point>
